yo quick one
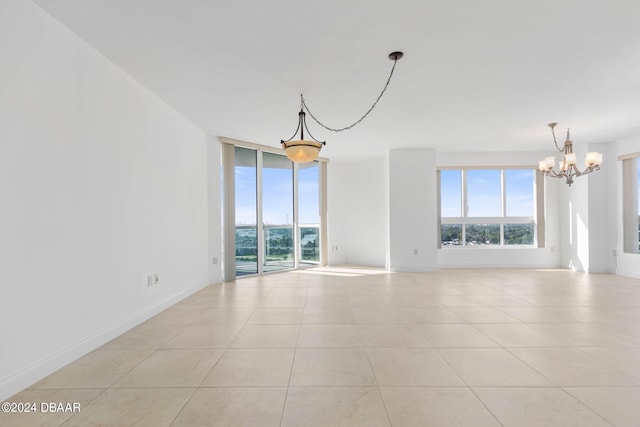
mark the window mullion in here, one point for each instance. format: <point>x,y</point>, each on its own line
<point>503,199</point>
<point>464,208</point>
<point>259,213</point>
<point>297,253</point>
<point>439,209</point>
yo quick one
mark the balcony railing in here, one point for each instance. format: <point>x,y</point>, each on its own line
<point>278,247</point>
<point>309,244</point>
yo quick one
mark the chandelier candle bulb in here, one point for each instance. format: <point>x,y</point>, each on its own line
<point>593,159</point>
<point>570,159</point>
<point>550,161</point>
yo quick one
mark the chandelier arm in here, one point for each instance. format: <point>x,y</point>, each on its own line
<point>306,107</point>
<point>573,171</point>
<point>591,169</point>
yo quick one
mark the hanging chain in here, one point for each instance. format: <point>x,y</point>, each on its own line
<point>552,126</point>
<point>304,105</point>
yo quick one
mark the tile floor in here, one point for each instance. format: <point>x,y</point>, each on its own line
<point>351,346</point>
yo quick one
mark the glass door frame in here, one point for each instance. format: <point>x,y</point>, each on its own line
<point>267,221</point>
<point>228,208</point>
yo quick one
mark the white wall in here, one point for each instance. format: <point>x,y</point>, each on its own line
<point>101,183</point>
<point>358,212</point>
<point>574,224</point>
<point>627,264</point>
<point>547,257</point>
<point>587,234</point>
<point>601,245</point>
<point>362,195</point>
<point>412,210</point>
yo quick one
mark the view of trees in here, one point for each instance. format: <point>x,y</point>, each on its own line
<point>518,234</point>
<point>278,243</point>
<point>486,234</point>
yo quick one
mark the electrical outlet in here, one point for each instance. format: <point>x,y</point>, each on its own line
<point>615,252</point>
<point>214,260</point>
<point>149,280</point>
<point>415,251</point>
<point>156,279</point>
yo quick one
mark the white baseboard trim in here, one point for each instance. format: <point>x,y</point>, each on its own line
<point>419,268</point>
<point>634,274</point>
<point>496,265</point>
<point>33,373</point>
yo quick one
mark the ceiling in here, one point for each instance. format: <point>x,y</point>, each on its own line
<point>476,76</point>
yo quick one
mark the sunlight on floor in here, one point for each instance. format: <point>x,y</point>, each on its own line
<point>345,271</point>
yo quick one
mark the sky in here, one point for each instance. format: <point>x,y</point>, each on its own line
<point>483,192</point>
<point>277,183</point>
<point>277,194</point>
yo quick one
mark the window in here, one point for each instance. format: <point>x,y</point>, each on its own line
<point>490,207</point>
<point>277,212</point>
<point>274,211</point>
<point>246,211</point>
<point>309,212</point>
<point>630,203</point>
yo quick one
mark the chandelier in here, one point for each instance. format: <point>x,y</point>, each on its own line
<point>306,150</point>
<point>568,168</point>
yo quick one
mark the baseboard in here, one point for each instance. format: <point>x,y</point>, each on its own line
<point>507,266</point>
<point>634,274</point>
<point>33,373</point>
<point>418,268</point>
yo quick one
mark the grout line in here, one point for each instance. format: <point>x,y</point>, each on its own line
<point>293,361</point>
<point>584,404</point>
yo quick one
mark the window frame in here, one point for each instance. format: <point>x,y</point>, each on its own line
<point>537,219</point>
<point>227,146</point>
<point>630,207</point>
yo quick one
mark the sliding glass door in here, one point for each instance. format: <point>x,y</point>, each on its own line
<point>272,212</point>
<point>246,211</point>
<point>277,212</point>
<point>309,213</point>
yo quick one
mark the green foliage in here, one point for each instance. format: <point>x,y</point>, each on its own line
<point>486,234</point>
<point>451,234</point>
<point>278,244</point>
<point>518,234</point>
<point>482,234</point>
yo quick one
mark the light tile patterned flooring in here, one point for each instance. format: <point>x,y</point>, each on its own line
<point>350,346</point>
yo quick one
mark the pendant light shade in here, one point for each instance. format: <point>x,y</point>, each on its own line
<point>302,151</point>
